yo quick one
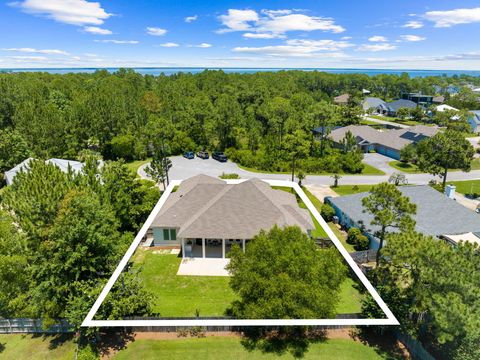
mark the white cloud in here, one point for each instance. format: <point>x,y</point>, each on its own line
<point>238,20</point>
<point>38,51</point>
<point>277,22</point>
<point>203,45</point>
<point>156,31</point>
<point>450,18</point>
<point>96,30</point>
<point>411,38</point>
<point>117,41</point>
<point>73,12</point>
<point>28,58</point>
<point>376,47</point>
<point>413,24</point>
<point>300,48</point>
<point>169,44</point>
<point>190,19</point>
<point>346,38</point>
<point>298,22</point>
<point>263,36</point>
<point>377,38</point>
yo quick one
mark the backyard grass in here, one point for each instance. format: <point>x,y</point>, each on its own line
<point>134,165</point>
<point>26,346</point>
<point>182,296</point>
<point>220,348</point>
<point>468,187</point>
<point>343,190</point>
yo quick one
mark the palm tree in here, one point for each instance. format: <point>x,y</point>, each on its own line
<point>301,176</point>
<point>335,178</point>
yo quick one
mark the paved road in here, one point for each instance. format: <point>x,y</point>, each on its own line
<point>183,168</point>
<point>386,122</point>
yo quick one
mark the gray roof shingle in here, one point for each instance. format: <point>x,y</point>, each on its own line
<point>205,207</point>
<point>436,213</point>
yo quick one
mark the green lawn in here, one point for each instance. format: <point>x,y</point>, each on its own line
<point>26,346</point>
<point>223,348</point>
<point>404,167</point>
<point>181,296</point>
<point>350,298</point>
<point>469,187</point>
<point>134,165</point>
<point>413,169</point>
<point>343,190</point>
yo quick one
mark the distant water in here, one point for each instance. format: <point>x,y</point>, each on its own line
<point>172,71</point>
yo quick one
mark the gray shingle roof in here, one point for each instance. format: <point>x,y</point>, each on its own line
<point>401,103</point>
<point>394,139</point>
<point>372,102</point>
<point>436,213</point>
<point>205,207</point>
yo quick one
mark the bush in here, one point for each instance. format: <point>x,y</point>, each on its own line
<point>327,212</point>
<point>229,176</point>
<point>353,233</point>
<point>361,243</point>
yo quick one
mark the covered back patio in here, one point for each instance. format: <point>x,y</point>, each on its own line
<point>210,248</point>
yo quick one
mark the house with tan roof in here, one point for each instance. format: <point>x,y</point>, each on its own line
<point>205,216</point>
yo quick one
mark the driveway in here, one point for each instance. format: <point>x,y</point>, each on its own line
<point>380,162</point>
<point>183,168</point>
<point>386,122</point>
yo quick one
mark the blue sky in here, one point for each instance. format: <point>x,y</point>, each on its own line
<point>404,34</point>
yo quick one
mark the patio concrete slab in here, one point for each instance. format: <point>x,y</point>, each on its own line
<point>203,267</point>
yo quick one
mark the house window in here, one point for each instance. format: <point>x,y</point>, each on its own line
<point>173,234</point>
<point>166,234</point>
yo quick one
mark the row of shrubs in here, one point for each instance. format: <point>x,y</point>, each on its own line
<point>355,237</point>
<point>334,162</point>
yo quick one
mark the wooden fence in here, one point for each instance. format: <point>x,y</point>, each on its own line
<point>417,351</point>
<point>14,326</point>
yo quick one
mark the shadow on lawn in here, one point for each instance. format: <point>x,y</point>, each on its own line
<point>2,348</point>
<point>295,340</point>
<point>384,343</point>
<point>55,340</point>
<point>114,341</point>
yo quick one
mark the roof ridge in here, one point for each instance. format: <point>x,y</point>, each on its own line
<point>208,205</point>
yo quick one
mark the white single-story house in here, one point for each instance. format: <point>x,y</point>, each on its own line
<point>205,216</point>
<point>62,164</point>
<point>437,215</point>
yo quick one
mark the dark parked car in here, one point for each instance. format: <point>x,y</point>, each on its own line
<point>219,156</point>
<point>203,154</point>
<point>189,155</point>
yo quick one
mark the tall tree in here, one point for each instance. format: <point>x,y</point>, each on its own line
<point>446,150</point>
<point>13,149</point>
<point>390,210</point>
<point>308,288</point>
<point>297,147</point>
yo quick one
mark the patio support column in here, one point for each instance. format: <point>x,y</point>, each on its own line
<point>243,245</point>
<point>203,248</point>
<point>183,248</point>
<point>223,248</point>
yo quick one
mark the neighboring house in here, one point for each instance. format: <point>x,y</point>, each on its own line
<point>438,99</point>
<point>391,108</point>
<point>450,89</point>
<point>62,164</point>
<point>372,103</point>
<point>205,216</point>
<point>474,120</point>
<point>388,142</point>
<point>419,99</point>
<point>437,215</point>
<point>445,107</point>
<point>341,99</point>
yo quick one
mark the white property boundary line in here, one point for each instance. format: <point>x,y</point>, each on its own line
<point>88,321</point>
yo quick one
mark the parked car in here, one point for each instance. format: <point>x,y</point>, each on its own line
<point>219,156</point>
<point>189,155</point>
<point>203,154</point>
